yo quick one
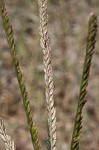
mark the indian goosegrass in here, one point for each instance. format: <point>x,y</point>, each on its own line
<point>9,143</point>
<point>45,45</point>
<point>91,40</point>
<point>10,38</point>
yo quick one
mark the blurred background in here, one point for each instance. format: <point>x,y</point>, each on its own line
<point>68,22</point>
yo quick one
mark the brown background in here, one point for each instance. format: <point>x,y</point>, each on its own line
<point>68,21</point>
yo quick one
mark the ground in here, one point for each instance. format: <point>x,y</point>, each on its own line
<point>68,22</point>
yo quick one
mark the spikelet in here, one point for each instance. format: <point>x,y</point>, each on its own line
<point>9,143</point>
<point>44,41</point>
<point>91,39</point>
<point>10,38</point>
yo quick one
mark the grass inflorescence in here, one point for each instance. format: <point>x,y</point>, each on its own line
<point>49,85</point>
